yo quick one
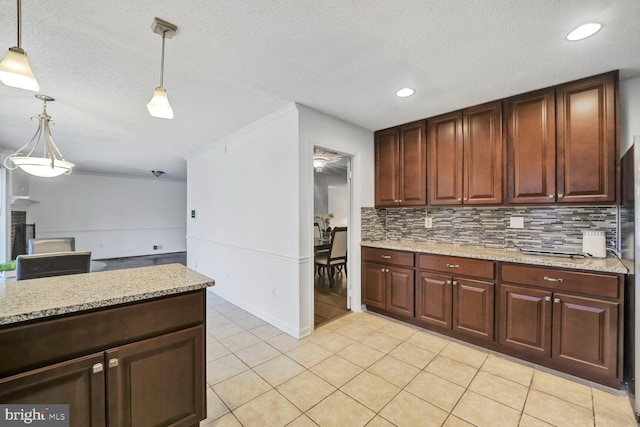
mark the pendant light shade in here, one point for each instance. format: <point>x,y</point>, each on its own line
<point>15,70</point>
<point>159,105</point>
<point>52,163</point>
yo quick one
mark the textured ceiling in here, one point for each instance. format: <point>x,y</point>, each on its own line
<point>234,61</point>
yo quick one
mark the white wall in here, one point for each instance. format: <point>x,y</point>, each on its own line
<point>321,130</point>
<point>253,194</point>
<point>629,112</point>
<point>111,216</point>
<point>244,189</point>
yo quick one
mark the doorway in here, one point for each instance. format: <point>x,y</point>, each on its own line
<point>331,208</point>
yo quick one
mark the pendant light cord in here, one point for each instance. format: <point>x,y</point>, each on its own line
<point>162,61</point>
<point>19,24</point>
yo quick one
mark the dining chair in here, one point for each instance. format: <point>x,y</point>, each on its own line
<point>336,256</point>
<point>52,244</point>
<point>52,264</point>
<point>317,234</point>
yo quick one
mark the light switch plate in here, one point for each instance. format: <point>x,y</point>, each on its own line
<point>516,222</point>
<point>428,222</point>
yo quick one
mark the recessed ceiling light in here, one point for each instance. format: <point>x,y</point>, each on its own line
<point>404,92</point>
<point>584,31</point>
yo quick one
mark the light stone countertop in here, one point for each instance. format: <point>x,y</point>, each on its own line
<point>51,296</point>
<point>609,265</point>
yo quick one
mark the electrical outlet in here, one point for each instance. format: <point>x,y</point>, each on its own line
<point>273,292</point>
<point>516,222</point>
<point>428,222</point>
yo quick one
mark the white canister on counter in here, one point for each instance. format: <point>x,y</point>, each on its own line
<point>594,243</point>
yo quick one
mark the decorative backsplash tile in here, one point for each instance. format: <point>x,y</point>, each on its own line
<point>544,227</point>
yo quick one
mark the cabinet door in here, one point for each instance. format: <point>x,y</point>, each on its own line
<point>373,284</point>
<point>434,299</point>
<point>75,383</point>
<point>531,148</point>
<point>445,159</point>
<point>386,167</point>
<point>585,333</point>
<point>158,381</point>
<point>587,140</point>
<point>400,291</point>
<point>473,308</point>
<point>525,319</point>
<point>483,154</point>
<point>413,164</point>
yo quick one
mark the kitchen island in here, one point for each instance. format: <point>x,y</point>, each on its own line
<point>122,348</point>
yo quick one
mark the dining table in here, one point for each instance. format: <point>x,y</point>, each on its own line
<point>320,244</point>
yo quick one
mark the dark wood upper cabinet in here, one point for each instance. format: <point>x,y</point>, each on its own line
<point>466,156</point>
<point>531,147</point>
<point>587,140</point>
<point>445,159</point>
<point>386,167</point>
<point>401,166</point>
<point>483,148</point>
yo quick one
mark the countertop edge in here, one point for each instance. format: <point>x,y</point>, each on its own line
<point>608,265</point>
<point>76,308</point>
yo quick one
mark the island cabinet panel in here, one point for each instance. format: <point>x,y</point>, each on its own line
<point>78,383</point>
<point>531,147</point>
<point>400,291</point>
<point>133,364</point>
<point>585,333</point>
<point>157,382</point>
<point>401,166</point>
<point>587,140</point>
<point>525,315</point>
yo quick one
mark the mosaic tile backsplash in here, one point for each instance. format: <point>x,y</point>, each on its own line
<point>544,227</point>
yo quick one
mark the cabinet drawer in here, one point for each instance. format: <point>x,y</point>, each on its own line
<point>563,280</point>
<point>457,266</point>
<point>388,256</point>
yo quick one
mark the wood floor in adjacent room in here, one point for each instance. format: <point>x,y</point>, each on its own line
<point>329,302</point>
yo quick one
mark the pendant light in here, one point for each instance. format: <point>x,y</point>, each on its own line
<point>52,162</point>
<point>159,105</point>
<point>15,70</point>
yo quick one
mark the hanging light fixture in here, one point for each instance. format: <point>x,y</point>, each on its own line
<point>159,105</point>
<point>52,162</point>
<point>15,70</point>
<point>319,162</point>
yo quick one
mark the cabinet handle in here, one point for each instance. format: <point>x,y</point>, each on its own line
<point>465,199</point>
<point>386,256</point>
<point>547,298</point>
<point>560,195</point>
<point>113,363</point>
<point>551,196</point>
<point>383,270</point>
<point>400,201</point>
<point>453,265</point>
<point>556,300</point>
<point>551,279</point>
<point>455,283</point>
<point>459,199</point>
<point>97,368</point>
<point>387,270</point>
<point>448,282</point>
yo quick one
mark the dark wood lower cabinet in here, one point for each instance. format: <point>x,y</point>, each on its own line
<point>126,380</point>
<point>585,333</point>
<point>78,383</point>
<point>473,308</point>
<point>525,319</point>
<point>565,319</point>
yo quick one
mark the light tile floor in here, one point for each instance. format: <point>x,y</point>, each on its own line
<point>364,369</point>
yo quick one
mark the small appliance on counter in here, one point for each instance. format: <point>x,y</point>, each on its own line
<point>594,243</point>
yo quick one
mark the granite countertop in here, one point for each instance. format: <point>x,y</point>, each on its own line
<point>609,265</point>
<point>51,296</point>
